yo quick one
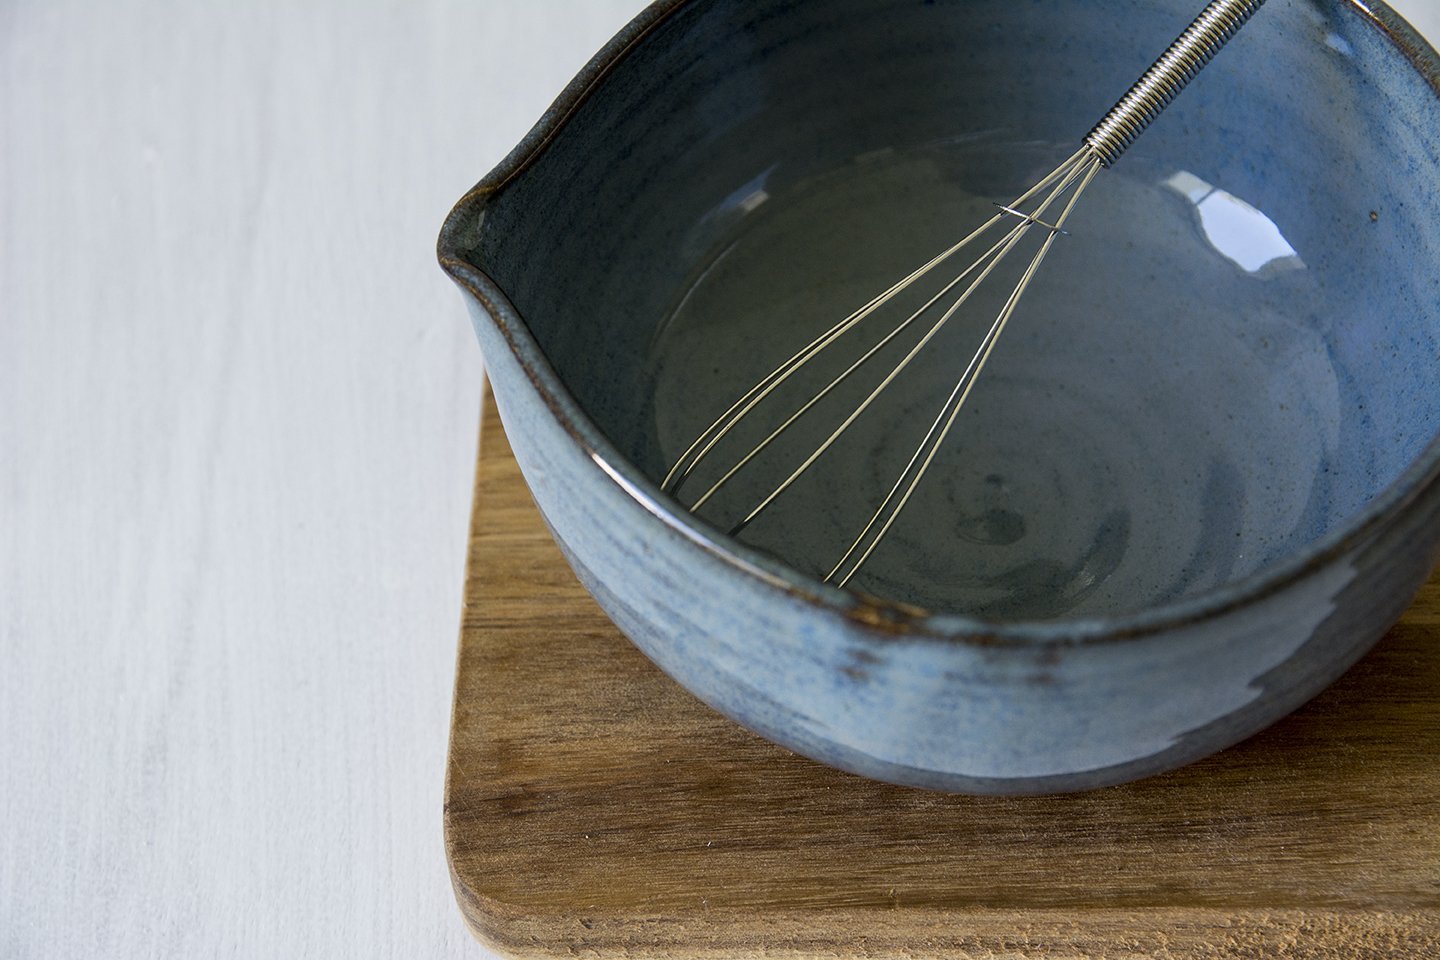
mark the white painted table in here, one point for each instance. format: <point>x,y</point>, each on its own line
<point>237,421</point>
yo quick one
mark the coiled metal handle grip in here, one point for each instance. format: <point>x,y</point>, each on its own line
<point>1163,82</point>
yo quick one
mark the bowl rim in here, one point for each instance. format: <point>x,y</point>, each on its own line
<point>883,615</point>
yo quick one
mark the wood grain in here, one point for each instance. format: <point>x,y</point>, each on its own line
<point>592,804</point>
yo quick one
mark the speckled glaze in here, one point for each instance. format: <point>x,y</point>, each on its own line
<point>577,246</point>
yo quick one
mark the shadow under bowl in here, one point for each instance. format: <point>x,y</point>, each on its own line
<point>1200,477</point>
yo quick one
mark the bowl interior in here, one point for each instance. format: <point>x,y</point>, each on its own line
<point>1236,349</point>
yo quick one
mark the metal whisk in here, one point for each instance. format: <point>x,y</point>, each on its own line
<point>1060,190</point>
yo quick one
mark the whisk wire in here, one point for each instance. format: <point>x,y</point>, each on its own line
<point>931,443</point>
<point>1118,129</point>
<point>1067,174</point>
<point>717,431</point>
<point>727,421</point>
<point>871,352</point>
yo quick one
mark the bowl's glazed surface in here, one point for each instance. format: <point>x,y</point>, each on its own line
<point>1183,511</point>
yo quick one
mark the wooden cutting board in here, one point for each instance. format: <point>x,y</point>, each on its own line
<point>594,808</point>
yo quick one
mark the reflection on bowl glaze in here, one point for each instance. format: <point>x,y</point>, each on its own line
<point>1239,232</point>
<point>1097,587</point>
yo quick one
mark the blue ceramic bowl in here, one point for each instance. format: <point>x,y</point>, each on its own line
<point>1201,476</point>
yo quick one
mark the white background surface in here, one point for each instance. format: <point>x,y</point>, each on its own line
<point>238,405</point>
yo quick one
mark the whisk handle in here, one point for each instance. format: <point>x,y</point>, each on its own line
<point>1162,83</point>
